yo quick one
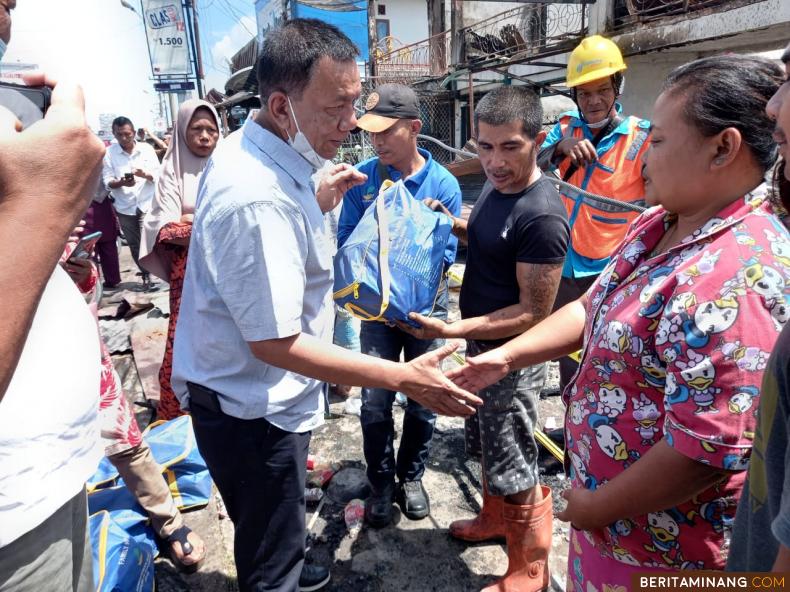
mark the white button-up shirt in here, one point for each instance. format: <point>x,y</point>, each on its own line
<point>259,268</point>
<point>118,162</point>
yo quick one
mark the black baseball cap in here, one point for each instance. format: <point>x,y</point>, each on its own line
<point>386,105</point>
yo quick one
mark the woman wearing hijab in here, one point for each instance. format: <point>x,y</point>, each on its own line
<point>168,226</point>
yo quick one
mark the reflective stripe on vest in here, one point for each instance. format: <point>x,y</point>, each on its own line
<point>597,228</point>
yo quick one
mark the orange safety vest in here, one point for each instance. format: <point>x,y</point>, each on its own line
<point>597,228</point>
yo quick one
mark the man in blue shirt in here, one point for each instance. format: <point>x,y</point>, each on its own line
<point>392,117</point>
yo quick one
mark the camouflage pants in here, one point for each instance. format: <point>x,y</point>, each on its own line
<point>501,433</point>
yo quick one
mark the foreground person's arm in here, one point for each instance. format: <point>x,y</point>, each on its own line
<point>48,174</point>
<point>420,379</point>
<point>537,290</point>
<point>558,335</point>
<point>627,496</point>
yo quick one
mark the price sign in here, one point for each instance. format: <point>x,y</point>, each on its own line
<point>166,31</point>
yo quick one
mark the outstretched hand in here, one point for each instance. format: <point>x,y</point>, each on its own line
<point>481,371</point>
<point>426,384</point>
<point>430,328</point>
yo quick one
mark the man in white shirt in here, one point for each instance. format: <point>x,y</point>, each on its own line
<point>49,349</point>
<point>253,342</point>
<point>130,173</point>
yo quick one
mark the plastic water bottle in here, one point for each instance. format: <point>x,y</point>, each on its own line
<point>313,495</point>
<point>346,330</point>
<point>354,515</point>
<point>322,474</point>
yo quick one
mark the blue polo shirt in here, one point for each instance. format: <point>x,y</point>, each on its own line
<point>432,180</point>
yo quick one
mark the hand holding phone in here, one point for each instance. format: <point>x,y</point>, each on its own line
<point>28,103</point>
<point>79,270</point>
<point>128,179</point>
<point>84,247</point>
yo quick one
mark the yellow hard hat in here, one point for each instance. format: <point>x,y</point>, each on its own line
<point>594,58</point>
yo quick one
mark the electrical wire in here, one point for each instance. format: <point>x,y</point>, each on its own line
<point>231,12</point>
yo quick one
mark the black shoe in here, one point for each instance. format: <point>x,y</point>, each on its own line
<point>413,500</point>
<point>378,507</point>
<point>313,577</point>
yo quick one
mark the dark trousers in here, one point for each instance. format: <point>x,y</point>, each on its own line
<point>378,427</point>
<point>260,471</point>
<point>54,556</point>
<point>107,252</point>
<point>131,226</point>
<point>570,289</point>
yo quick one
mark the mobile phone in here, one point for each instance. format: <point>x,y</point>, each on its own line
<point>28,103</point>
<point>85,246</point>
<point>128,176</point>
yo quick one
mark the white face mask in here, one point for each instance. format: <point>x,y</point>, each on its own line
<point>301,144</point>
<point>600,124</point>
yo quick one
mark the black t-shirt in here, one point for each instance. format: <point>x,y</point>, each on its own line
<point>505,229</point>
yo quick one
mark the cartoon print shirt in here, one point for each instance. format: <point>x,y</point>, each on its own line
<point>674,347</point>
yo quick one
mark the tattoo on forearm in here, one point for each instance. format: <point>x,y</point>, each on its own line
<point>539,284</point>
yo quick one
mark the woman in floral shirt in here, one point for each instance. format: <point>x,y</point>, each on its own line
<point>675,334</point>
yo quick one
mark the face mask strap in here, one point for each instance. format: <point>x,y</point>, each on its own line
<point>293,114</point>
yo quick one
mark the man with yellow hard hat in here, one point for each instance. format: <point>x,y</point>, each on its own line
<point>600,150</point>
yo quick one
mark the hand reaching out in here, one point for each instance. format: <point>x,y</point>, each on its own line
<point>430,328</point>
<point>481,371</point>
<point>425,383</point>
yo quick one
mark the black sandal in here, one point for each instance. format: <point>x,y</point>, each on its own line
<point>179,535</point>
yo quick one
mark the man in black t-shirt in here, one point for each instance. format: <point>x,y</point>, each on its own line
<point>517,236</point>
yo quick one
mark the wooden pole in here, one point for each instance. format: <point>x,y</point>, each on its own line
<point>438,44</point>
<point>456,26</point>
<point>372,36</point>
<point>471,89</point>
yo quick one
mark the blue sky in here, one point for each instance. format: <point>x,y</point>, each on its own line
<point>225,26</point>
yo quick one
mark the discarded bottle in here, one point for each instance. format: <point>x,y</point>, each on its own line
<point>313,495</point>
<point>322,474</point>
<point>346,330</point>
<point>310,462</point>
<point>354,515</point>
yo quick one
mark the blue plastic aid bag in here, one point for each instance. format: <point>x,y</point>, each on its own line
<point>392,262</point>
<point>126,512</point>
<point>120,563</point>
<point>173,446</point>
